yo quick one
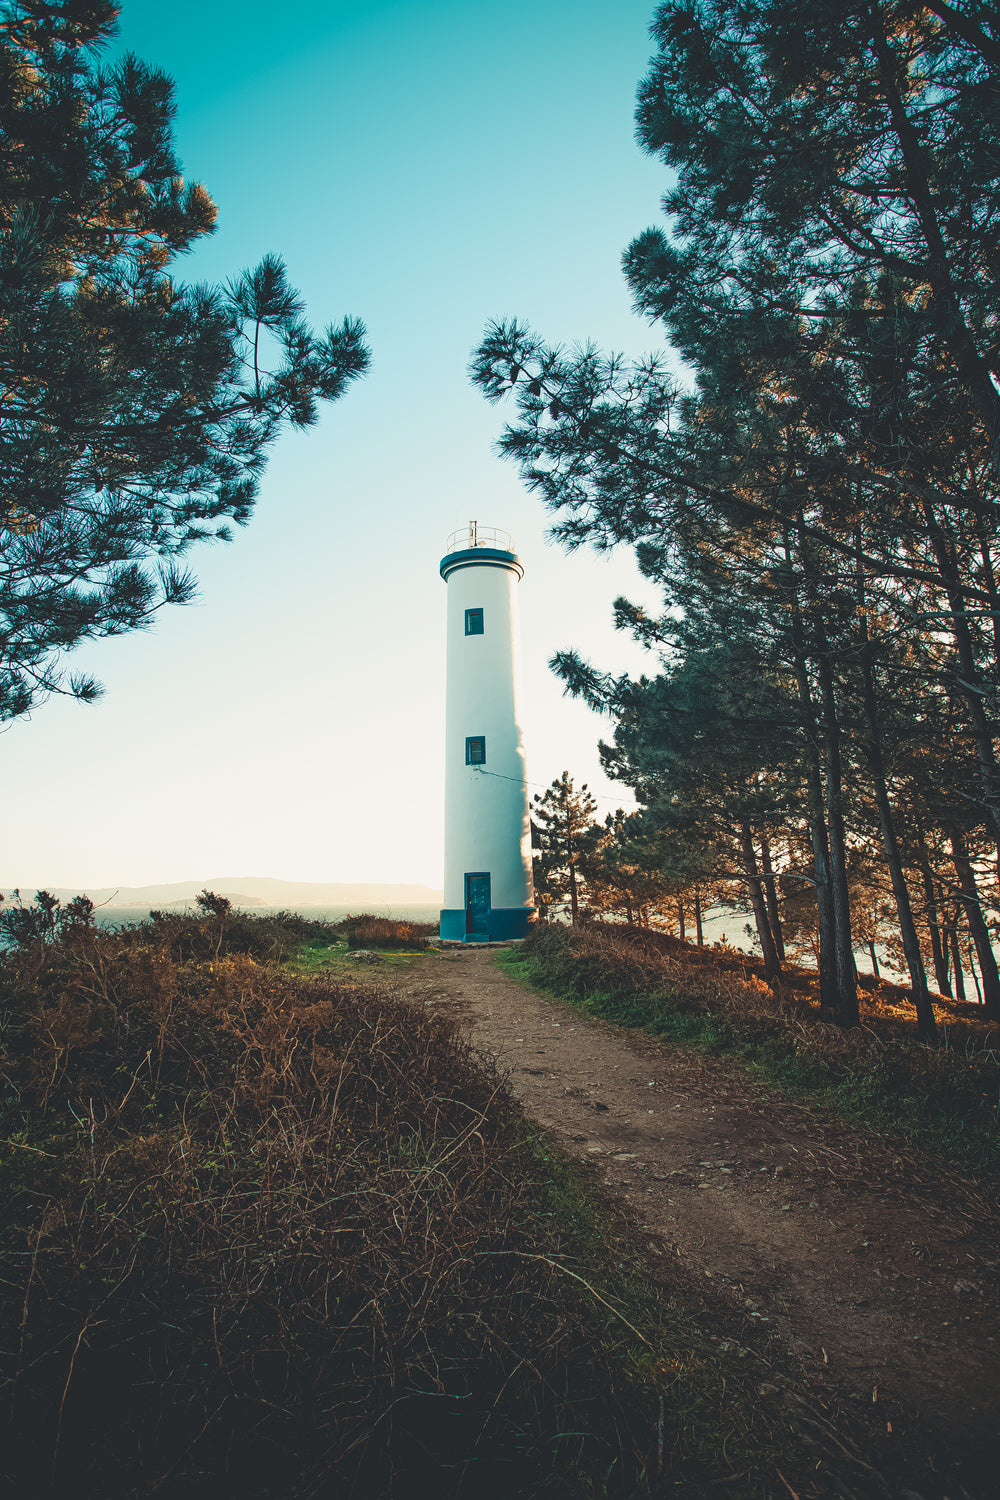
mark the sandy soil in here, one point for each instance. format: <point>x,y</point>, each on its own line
<point>875,1271</point>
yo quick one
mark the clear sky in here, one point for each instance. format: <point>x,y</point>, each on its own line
<point>424,166</point>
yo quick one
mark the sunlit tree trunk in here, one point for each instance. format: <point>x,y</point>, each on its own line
<point>956,955</point>
<point>771,897</point>
<point>748,859</point>
<point>933,923</point>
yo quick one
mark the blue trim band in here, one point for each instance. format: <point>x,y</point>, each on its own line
<point>481,557</point>
<point>511,922</point>
<point>504,923</point>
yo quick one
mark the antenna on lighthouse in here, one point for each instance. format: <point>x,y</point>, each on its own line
<point>488,892</point>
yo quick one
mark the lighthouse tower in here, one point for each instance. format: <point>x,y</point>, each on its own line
<point>488,894</point>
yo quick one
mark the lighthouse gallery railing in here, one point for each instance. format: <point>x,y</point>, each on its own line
<point>475,535</point>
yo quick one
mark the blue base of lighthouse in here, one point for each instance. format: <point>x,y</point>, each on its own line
<point>504,923</point>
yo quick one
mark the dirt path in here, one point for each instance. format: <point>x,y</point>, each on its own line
<point>881,1286</point>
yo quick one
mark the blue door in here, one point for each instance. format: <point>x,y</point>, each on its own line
<point>477,907</point>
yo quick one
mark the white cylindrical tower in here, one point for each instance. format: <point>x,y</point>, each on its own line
<point>488,893</point>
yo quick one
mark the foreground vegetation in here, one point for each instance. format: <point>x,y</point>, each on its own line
<point>943,1096</point>
<point>266,1233</point>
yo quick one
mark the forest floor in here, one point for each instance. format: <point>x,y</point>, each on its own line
<point>858,1273</point>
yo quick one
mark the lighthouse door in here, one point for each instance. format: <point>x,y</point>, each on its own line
<point>477,907</point>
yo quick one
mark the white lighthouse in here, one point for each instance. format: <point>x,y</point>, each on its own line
<point>488,893</point>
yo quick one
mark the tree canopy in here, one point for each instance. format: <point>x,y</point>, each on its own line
<point>137,411</point>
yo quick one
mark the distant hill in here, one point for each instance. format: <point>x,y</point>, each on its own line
<point>249,890</point>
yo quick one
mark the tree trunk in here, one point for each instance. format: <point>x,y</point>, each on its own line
<point>871,950</point>
<point>680,922</point>
<point>697,918</point>
<point>771,897</point>
<point>847,974</point>
<point>933,925</point>
<point>975,976</point>
<point>977,925</point>
<point>772,963</point>
<point>574,900</point>
<point>956,955</point>
<point>926,1024</point>
<point>826,962</point>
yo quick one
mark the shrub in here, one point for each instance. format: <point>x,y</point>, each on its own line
<point>217,929</point>
<point>368,931</point>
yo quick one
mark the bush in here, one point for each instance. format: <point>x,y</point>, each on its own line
<point>368,931</point>
<point>218,929</point>
<point>215,929</point>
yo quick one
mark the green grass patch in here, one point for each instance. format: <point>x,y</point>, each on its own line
<point>394,944</point>
<point>329,956</point>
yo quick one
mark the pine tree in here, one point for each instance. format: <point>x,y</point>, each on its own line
<point>136,411</point>
<point>562,820</point>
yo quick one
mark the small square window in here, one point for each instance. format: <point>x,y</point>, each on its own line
<point>475,750</point>
<point>473,622</point>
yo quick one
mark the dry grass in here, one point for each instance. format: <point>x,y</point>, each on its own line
<point>264,1235</point>
<point>368,931</point>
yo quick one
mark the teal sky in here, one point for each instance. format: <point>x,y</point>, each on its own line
<point>425,167</point>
